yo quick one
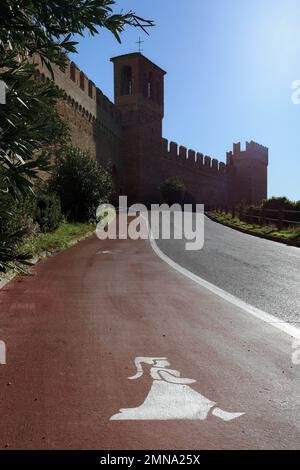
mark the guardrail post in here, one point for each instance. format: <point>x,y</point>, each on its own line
<point>240,212</point>
<point>250,218</point>
<point>280,219</point>
<point>233,212</point>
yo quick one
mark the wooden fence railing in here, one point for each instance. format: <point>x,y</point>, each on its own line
<point>253,215</point>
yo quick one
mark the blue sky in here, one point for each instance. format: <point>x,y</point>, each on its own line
<point>230,64</point>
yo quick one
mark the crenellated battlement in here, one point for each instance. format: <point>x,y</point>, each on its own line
<point>82,94</point>
<point>191,159</point>
<point>252,150</point>
<point>257,147</point>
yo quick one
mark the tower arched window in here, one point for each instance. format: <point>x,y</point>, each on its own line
<point>126,81</point>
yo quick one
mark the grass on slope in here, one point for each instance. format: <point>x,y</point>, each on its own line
<point>58,240</point>
<point>292,234</point>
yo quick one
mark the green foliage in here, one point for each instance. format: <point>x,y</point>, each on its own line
<point>29,127</point>
<point>29,124</point>
<point>291,234</point>
<point>48,211</point>
<point>15,224</point>
<point>280,203</point>
<point>58,240</point>
<point>10,258</point>
<point>81,183</point>
<point>48,27</point>
<point>25,218</point>
<point>173,190</point>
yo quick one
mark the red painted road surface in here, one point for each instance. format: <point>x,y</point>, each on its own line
<point>74,328</point>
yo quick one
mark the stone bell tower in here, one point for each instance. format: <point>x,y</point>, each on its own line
<point>139,95</point>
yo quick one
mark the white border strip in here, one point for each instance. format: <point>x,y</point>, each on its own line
<point>266,317</point>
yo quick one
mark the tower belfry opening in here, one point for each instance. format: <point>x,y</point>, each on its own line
<point>126,80</point>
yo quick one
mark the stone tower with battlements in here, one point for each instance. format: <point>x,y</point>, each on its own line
<point>248,173</point>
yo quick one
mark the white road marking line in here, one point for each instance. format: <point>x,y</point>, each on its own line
<point>256,312</point>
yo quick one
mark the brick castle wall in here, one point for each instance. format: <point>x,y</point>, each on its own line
<point>94,121</point>
<point>205,178</point>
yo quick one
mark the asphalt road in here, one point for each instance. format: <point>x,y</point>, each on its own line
<point>75,327</point>
<point>263,273</point>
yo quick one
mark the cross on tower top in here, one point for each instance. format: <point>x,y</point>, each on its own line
<point>140,42</point>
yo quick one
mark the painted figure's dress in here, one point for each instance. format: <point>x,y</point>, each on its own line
<point>170,397</point>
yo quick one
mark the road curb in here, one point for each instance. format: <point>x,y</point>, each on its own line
<point>6,278</point>
<point>259,235</point>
